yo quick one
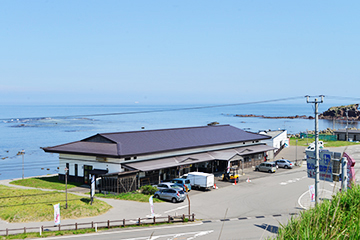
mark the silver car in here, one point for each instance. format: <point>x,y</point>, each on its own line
<point>168,185</point>
<point>266,167</point>
<point>171,194</point>
<point>284,163</point>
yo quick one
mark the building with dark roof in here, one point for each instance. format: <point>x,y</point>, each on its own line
<point>156,155</point>
<point>350,134</point>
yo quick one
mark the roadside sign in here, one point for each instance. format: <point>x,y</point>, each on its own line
<point>325,165</point>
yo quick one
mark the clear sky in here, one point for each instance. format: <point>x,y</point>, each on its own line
<point>200,52</point>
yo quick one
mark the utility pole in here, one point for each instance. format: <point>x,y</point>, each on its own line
<point>66,173</point>
<point>316,102</point>
<point>347,124</point>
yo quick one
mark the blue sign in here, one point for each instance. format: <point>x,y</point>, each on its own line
<point>325,166</point>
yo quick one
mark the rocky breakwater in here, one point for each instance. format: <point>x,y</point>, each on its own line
<point>340,113</point>
<point>278,117</point>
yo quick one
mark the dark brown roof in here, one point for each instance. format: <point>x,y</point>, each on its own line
<point>123,144</point>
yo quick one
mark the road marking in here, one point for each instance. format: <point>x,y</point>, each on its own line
<point>178,208</point>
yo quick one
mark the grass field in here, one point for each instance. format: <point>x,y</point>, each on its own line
<point>24,205</point>
<point>45,182</point>
<point>305,142</point>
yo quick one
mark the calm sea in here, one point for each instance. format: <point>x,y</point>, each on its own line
<point>33,127</point>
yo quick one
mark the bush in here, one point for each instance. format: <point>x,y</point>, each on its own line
<point>148,190</point>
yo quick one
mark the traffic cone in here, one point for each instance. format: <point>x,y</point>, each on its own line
<point>235,181</point>
<point>248,180</point>
<point>214,186</point>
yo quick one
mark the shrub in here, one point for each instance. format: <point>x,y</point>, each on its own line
<point>148,190</point>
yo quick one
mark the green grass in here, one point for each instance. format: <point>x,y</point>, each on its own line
<point>29,205</point>
<point>46,183</point>
<point>305,142</point>
<point>335,219</point>
<point>130,196</point>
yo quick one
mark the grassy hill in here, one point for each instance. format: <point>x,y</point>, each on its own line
<point>335,219</point>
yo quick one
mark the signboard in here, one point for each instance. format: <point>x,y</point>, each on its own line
<point>151,205</point>
<point>325,165</point>
<point>57,214</point>
<point>350,169</point>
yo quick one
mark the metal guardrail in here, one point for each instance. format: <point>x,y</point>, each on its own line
<point>104,224</point>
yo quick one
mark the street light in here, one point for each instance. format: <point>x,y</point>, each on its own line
<point>66,171</point>
<point>22,153</point>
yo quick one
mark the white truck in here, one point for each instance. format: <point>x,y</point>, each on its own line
<point>201,180</point>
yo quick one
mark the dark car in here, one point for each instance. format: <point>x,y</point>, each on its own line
<point>172,194</point>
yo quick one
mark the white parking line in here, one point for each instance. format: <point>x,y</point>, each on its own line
<point>178,208</point>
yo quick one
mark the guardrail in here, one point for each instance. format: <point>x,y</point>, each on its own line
<point>104,224</point>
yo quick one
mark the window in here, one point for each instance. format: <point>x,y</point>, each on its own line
<point>127,158</point>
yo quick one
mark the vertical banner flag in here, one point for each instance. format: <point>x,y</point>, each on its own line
<point>92,185</point>
<point>312,193</point>
<point>57,214</point>
<point>151,205</point>
<point>350,169</point>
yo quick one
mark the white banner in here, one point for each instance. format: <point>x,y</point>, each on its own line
<point>151,205</point>
<point>312,193</point>
<point>92,185</point>
<point>57,214</point>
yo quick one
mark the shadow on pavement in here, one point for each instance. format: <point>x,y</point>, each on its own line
<point>269,228</point>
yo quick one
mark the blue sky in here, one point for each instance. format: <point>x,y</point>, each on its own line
<point>199,52</point>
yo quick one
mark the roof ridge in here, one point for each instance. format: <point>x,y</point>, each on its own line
<point>165,129</point>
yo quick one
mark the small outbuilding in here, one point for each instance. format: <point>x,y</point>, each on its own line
<point>353,135</point>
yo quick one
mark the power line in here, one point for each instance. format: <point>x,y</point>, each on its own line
<point>161,110</point>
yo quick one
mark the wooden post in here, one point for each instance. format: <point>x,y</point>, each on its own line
<point>183,218</point>
<point>193,217</point>
<point>92,224</point>
<point>7,232</point>
<point>168,218</point>
<point>124,222</point>
<point>139,222</point>
<point>76,226</point>
<point>154,221</point>
<point>108,224</point>
<point>24,229</point>
<point>59,227</point>
<point>42,228</point>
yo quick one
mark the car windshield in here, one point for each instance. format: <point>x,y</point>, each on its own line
<point>181,192</point>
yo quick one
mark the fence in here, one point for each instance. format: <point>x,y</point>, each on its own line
<point>106,224</point>
<point>321,136</point>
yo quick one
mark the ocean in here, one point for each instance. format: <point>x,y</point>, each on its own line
<point>29,128</point>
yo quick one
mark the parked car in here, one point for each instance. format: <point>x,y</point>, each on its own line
<point>181,182</point>
<point>172,194</point>
<point>284,163</point>
<point>266,167</point>
<point>168,185</point>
